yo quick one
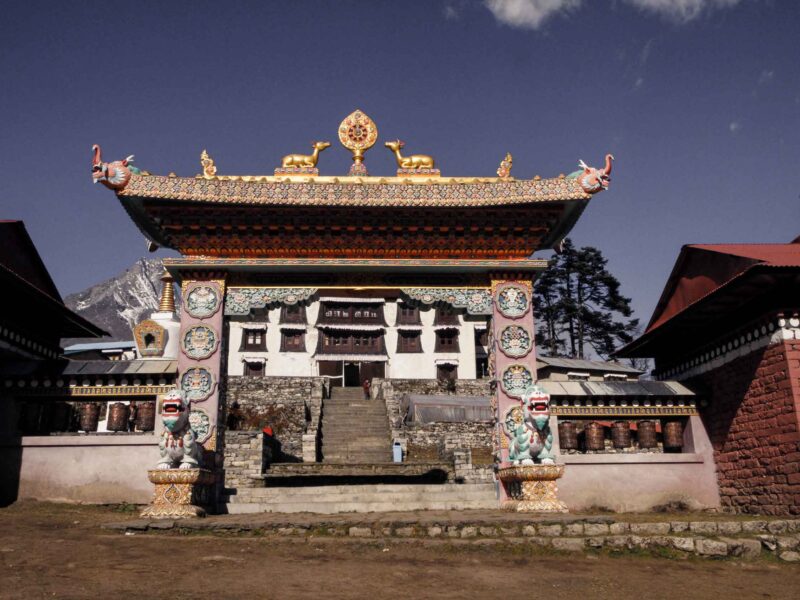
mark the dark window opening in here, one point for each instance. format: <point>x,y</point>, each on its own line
<point>254,339</point>
<point>408,315</point>
<point>446,315</point>
<point>293,341</point>
<point>446,340</point>
<point>293,313</point>
<point>409,341</point>
<point>254,368</point>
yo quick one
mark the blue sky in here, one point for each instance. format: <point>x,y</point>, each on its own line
<point>699,100</point>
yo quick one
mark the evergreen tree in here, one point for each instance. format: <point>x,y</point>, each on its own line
<point>578,306</point>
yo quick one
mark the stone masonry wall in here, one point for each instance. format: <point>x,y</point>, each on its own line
<point>290,405</point>
<point>244,452</point>
<point>752,421</point>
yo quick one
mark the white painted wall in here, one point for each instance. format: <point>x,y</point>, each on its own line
<point>420,365</point>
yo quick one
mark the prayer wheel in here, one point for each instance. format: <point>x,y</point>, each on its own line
<point>647,434</point>
<point>118,417</point>
<point>594,436</point>
<point>60,416</point>
<point>89,415</point>
<point>567,435</point>
<point>673,434</point>
<point>621,434</point>
<point>146,416</point>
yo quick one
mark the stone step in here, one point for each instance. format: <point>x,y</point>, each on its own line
<point>357,457</point>
<point>360,507</point>
<point>376,444</point>
<point>384,490</point>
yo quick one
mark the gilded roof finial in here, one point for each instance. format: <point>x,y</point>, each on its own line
<point>167,303</point>
<point>358,133</point>
<point>504,170</point>
<point>209,170</point>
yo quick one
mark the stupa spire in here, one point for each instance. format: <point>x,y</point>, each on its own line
<point>167,303</point>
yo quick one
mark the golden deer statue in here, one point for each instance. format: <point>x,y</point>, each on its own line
<point>414,161</point>
<point>305,160</point>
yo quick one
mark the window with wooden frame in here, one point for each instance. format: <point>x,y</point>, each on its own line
<point>446,340</point>
<point>355,343</point>
<point>481,337</point>
<point>445,315</point>
<point>293,341</point>
<point>293,313</point>
<point>351,314</point>
<point>408,315</point>
<point>253,368</point>
<point>254,339</point>
<point>409,341</point>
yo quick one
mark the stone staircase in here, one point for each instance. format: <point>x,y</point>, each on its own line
<point>354,430</point>
<point>330,499</point>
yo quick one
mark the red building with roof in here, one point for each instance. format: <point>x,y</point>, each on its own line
<point>727,326</point>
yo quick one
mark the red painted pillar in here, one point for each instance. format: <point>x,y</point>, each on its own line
<point>513,352</point>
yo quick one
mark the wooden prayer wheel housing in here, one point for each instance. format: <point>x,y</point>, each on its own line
<point>594,436</point>
<point>568,435</point>
<point>146,416</point>
<point>646,431</point>
<point>673,434</point>
<point>89,416</point>
<point>118,417</point>
<point>621,434</point>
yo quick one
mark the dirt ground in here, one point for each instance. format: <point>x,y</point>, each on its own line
<point>59,551</point>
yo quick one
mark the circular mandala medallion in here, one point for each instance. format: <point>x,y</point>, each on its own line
<point>515,341</point>
<point>513,301</point>
<point>358,132</point>
<point>515,380</point>
<point>200,424</point>
<point>199,342</point>
<point>197,384</point>
<point>202,301</point>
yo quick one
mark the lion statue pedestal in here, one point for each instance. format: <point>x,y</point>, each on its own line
<point>182,487</point>
<point>532,488</point>
<point>179,493</point>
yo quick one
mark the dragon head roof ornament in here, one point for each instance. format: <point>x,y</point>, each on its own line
<point>594,180</point>
<point>114,175</point>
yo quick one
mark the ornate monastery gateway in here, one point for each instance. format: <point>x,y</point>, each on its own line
<point>355,276</point>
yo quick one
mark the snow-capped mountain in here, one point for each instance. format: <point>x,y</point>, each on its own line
<point>117,304</point>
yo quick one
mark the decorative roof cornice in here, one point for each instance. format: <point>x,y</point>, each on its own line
<point>355,191</point>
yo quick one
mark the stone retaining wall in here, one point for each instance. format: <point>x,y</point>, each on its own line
<point>244,456</point>
<point>290,405</point>
<point>707,539</point>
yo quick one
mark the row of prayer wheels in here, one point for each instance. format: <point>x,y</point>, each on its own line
<point>118,416</point>
<point>646,433</point>
<point>38,418</point>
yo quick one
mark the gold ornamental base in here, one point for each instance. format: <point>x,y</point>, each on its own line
<point>532,488</point>
<point>179,493</point>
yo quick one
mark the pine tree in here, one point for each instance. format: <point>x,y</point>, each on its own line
<point>578,306</point>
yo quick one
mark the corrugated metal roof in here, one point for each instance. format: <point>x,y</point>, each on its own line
<point>586,365</point>
<point>89,367</point>
<point>99,346</point>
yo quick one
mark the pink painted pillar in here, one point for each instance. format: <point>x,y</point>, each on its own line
<point>513,351</point>
<point>200,360</point>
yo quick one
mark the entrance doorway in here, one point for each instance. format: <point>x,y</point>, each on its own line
<point>352,375</point>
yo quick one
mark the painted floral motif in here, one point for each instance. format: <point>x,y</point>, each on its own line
<point>516,379</point>
<point>200,424</point>
<point>199,342</point>
<point>515,341</point>
<point>202,301</point>
<point>513,301</point>
<point>476,301</point>
<point>240,301</point>
<point>197,384</point>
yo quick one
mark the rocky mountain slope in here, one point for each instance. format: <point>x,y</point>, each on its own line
<point>117,304</point>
